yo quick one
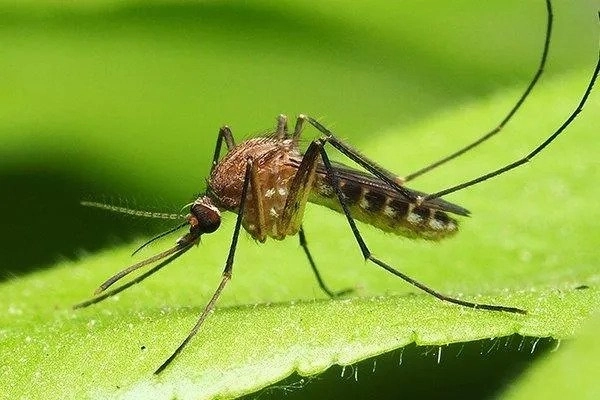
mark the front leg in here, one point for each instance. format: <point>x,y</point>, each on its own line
<point>227,271</point>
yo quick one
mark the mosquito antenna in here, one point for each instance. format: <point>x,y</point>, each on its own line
<point>131,211</point>
<point>182,243</point>
<point>138,279</point>
<point>508,116</point>
<point>160,235</point>
<point>533,153</point>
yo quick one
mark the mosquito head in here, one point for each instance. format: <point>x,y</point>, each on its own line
<point>204,216</point>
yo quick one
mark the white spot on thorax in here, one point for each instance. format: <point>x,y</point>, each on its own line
<point>269,193</point>
<point>282,191</point>
<point>273,212</point>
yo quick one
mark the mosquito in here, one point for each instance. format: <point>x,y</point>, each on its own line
<point>267,181</point>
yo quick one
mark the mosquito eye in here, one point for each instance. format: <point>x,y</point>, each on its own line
<point>209,218</point>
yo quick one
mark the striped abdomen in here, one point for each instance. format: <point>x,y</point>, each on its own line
<point>372,201</point>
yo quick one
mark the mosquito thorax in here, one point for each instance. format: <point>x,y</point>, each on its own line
<point>204,216</point>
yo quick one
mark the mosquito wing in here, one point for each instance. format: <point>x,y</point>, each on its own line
<point>370,182</point>
<point>373,201</point>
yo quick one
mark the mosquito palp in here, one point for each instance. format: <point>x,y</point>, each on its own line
<point>267,181</point>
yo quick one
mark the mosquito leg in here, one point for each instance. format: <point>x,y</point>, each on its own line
<point>299,190</point>
<point>508,116</point>
<point>533,153</point>
<point>311,261</point>
<point>394,181</point>
<point>281,131</point>
<point>293,211</point>
<point>226,272</point>
<point>257,198</point>
<point>224,134</point>
<point>369,256</point>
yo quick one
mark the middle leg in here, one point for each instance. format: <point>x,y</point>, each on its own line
<point>313,266</point>
<point>318,145</point>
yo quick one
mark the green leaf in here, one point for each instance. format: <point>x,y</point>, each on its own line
<point>149,87</point>
<point>111,349</point>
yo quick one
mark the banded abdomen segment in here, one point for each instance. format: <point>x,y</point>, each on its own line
<point>373,202</point>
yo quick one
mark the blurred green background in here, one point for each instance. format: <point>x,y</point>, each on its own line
<point>121,101</point>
